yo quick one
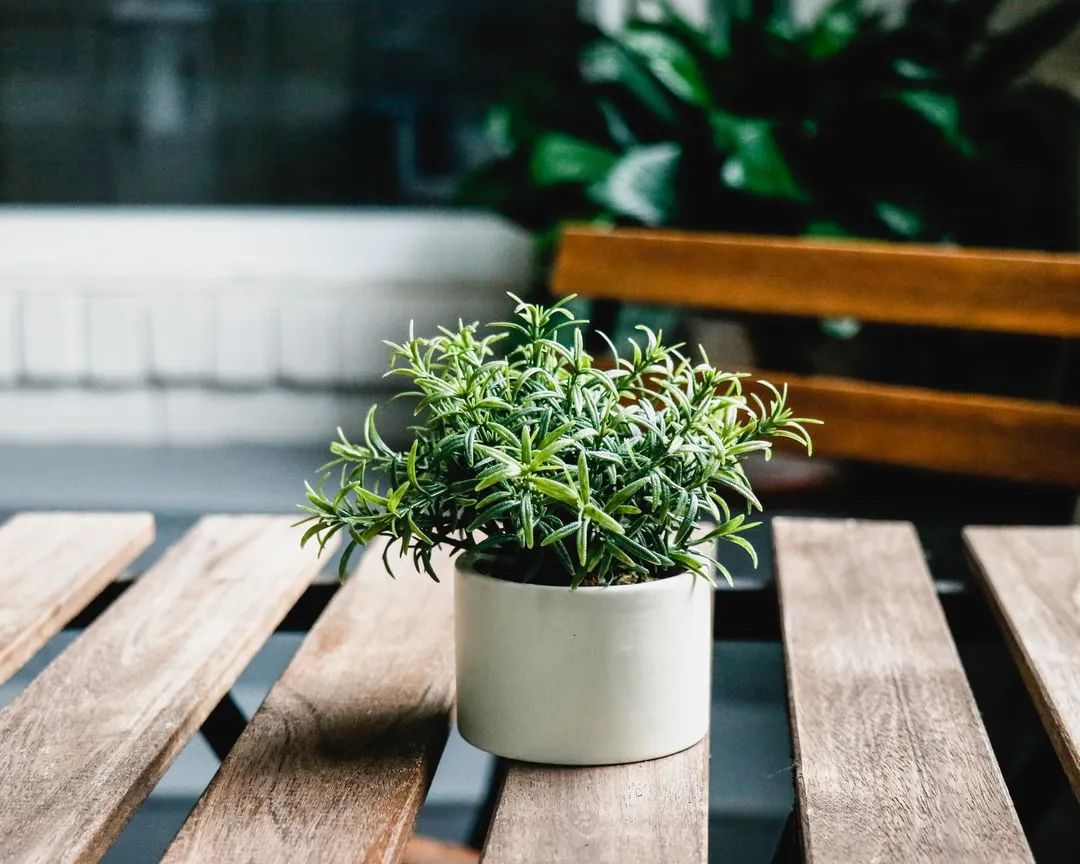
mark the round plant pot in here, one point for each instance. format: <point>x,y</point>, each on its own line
<point>591,676</point>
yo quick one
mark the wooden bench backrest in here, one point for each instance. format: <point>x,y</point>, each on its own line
<point>1032,293</point>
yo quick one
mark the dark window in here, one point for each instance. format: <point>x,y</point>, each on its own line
<point>254,101</point>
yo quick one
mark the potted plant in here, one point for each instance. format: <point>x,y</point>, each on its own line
<point>575,496</point>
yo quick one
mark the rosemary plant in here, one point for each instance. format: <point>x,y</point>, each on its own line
<point>545,467</point>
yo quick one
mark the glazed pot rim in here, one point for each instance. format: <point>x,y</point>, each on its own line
<point>462,570</point>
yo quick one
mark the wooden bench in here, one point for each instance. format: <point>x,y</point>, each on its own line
<point>906,284</point>
<point>892,762</point>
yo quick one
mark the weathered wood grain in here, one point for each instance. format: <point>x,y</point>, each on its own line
<point>892,762</point>
<point>51,566</point>
<point>423,850</point>
<point>1032,576</point>
<point>655,811</point>
<point>994,436</point>
<point>973,289</point>
<point>85,743</point>
<point>337,761</point>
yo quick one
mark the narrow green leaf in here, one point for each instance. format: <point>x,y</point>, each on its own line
<point>343,563</point>
<point>494,498</point>
<point>560,533</point>
<point>393,499</point>
<point>583,476</point>
<point>526,446</point>
<point>556,490</point>
<point>493,475</point>
<point>470,445</point>
<point>602,519</point>
<point>493,512</point>
<point>528,525</point>
<point>743,544</point>
<point>411,463</point>
<point>583,541</point>
<point>560,158</point>
<point>368,495</point>
<point>625,494</point>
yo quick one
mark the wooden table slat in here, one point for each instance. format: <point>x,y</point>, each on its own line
<point>646,811</point>
<point>51,566</point>
<point>87,740</point>
<point>1032,576</point>
<point>337,761</point>
<point>892,760</point>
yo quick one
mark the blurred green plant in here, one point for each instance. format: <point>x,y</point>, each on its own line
<point>850,125</point>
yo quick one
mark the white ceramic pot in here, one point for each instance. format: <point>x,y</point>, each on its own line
<point>593,676</point>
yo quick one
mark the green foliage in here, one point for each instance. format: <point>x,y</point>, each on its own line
<point>543,467</point>
<point>909,129</point>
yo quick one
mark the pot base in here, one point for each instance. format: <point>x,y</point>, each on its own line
<point>560,757</point>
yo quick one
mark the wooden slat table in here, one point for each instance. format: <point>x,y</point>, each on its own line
<point>892,762</point>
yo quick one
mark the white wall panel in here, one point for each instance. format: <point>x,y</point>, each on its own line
<point>118,336</point>
<point>54,336</point>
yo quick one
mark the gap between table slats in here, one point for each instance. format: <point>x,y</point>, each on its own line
<point>51,566</point>
<point>85,743</point>
<point>1032,576</point>
<point>892,760</point>
<point>646,811</point>
<point>337,761</point>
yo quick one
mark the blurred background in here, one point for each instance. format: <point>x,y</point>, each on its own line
<point>212,212</point>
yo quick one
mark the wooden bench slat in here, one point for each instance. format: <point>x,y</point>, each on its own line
<point>85,743</point>
<point>1019,439</point>
<point>892,760</point>
<point>51,566</point>
<point>974,289</point>
<point>646,811</point>
<point>1032,576</point>
<point>337,761</point>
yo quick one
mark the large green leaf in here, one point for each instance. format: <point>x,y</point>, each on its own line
<point>835,28</point>
<point>562,158</point>
<point>755,162</point>
<point>670,61</point>
<point>900,220</point>
<point>711,37</point>
<point>605,62</point>
<point>940,110</point>
<point>641,185</point>
<point>1008,56</point>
